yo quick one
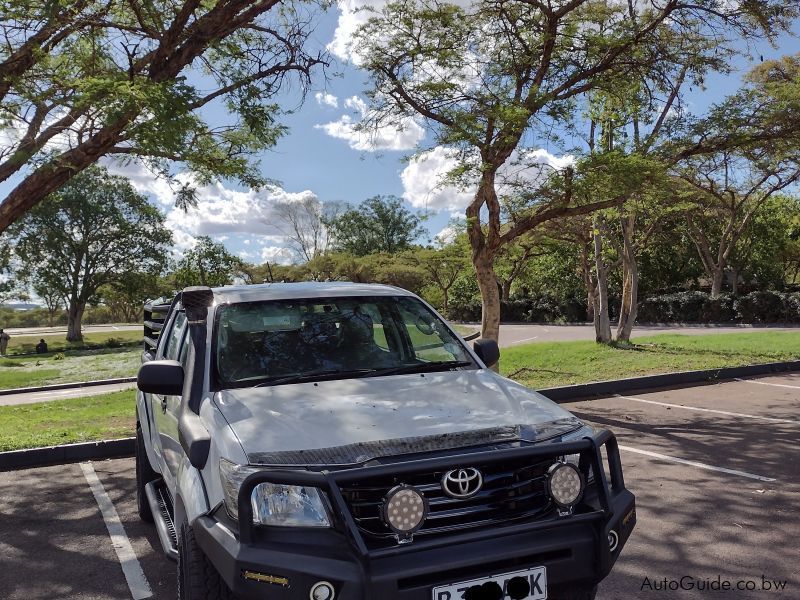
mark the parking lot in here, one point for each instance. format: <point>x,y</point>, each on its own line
<point>715,470</point>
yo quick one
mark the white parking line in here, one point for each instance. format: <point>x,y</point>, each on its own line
<point>536,337</point>
<point>711,410</point>
<point>694,463</point>
<point>131,568</point>
<point>784,385</point>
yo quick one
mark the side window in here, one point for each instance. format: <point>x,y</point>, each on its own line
<point>429,338</point>
<point>175,337</point>
<point>164,336</point>
<point>183,354</point>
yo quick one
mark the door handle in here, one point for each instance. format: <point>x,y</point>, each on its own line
<point>163,404</point>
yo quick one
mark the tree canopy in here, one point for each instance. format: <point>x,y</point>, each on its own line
<point>207,263</point>
<point>130,78</point>
<point>379,224</point>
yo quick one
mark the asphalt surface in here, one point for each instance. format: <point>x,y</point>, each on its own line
<point>85,329</point>
<point>78,392</point>
<point>511,335</point>
<point>728,511</point>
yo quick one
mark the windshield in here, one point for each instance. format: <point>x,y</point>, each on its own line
<point>281,341</point>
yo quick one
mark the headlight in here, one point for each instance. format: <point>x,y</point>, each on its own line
<point>274,504</point>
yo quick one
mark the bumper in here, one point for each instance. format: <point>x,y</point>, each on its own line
<point>285,564</point>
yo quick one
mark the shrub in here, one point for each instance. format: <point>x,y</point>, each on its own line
<point>761,307</point>
<point>678,307</point>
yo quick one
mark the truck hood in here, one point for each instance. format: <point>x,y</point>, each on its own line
<point>354,420</point>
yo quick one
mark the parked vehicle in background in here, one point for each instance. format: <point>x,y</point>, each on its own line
<point>333,440</point>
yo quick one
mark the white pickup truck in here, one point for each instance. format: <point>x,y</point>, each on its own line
<point>341,441</point>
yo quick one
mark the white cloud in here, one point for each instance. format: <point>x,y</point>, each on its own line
<point>352,15</point>
<point>326,99</point>
<point>446,236</point>
<point>221,212</point>
<point>277,254</point>
<point>404,136</point>
<point>425,182</point>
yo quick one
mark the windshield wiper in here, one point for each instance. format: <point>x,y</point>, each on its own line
<point>314,375</point>
<point>434,365</point>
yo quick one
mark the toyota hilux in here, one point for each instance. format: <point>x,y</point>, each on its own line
<point>341,441</point>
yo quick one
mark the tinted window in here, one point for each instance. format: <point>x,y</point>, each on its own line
<point>259,341</point>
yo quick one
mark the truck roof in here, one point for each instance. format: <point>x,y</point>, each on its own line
<point>304,289</point>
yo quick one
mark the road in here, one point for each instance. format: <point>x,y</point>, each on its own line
<point>714,470</point>
<point>86,329</point>
<point>77,392</point>
<point>511,335</point>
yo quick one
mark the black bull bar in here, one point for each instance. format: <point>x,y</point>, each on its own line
<point>589,449</point>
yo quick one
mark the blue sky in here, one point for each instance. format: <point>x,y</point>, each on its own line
<point>312,160</point>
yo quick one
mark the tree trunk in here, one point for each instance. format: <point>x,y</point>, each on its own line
<point>506,289</point>
<point>630,282</point>
<point>445,299</point>
<point>716,281</point>
<point>74,317</point>
<point>735,281</point>
<point>602,323</point>
<point>490,295</point>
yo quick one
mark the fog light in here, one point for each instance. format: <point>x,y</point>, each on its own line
<point>565,484</point>
<point>322,590</point>
<point>404,510</point>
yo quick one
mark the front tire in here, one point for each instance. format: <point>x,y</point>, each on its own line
<point>144,475</point>
<point>198,579</point>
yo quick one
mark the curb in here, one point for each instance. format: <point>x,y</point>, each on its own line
<point>67,386</point>
<point>57,455</point>
<point>583,391</point>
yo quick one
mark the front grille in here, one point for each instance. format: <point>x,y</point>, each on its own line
<point>512,490</point>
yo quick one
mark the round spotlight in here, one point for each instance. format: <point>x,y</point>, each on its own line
<point>404,509</point>
<point>565,484</point>
<point>322,590</point>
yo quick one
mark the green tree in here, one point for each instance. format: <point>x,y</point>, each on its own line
<point>441,267</point>
<point>84,79</point>
<point>492,78</point>
<point>126,296</point>
<point>89,234</point>
<point>207,263</point>
<point>743,153</point>
<point>379,224</point>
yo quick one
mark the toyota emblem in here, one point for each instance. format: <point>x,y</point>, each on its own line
<point>462,483</point>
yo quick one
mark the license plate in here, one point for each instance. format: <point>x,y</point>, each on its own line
<point>534,581</point>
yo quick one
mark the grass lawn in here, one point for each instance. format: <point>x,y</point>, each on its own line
<point>76,365</point>
<point>26,344</point>
<point>103,417</point>
<point>465,330</point>
<point>550,364</point>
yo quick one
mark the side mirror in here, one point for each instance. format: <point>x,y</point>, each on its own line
<point>164,377</point>
<point>487,350</point>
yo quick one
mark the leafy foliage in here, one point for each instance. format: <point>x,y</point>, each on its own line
<point>379,224</point>
<point>91,233</point>
<point>207,263</point>
<point>131,78</point>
